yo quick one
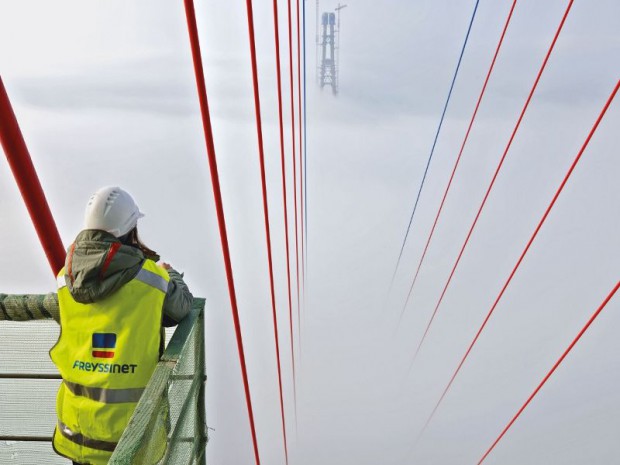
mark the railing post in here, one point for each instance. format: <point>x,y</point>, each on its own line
<point>201,427</point>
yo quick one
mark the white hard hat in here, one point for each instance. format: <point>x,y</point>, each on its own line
<point>113,210</point>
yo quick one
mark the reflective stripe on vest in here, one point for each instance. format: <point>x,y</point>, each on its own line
<point>152,279</point>
<point>107,396</point>
<point>60,280</point>
<point>82,440</point>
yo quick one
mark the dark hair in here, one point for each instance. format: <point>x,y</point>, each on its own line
<point>131,239</point>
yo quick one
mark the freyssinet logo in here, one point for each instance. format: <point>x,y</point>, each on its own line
<point>104,345</point>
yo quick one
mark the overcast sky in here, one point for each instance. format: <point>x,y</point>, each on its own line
<point>105,94</point>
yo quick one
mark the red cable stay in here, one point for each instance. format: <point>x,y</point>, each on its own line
<point>215,181</point>
<point>261,153</point>
<point>497,170</point>
<point>290,55</point>
<point>29,185</point>
<point>555,366</point>
<point>458,158</point>
<point>527,247</point>
<point>283,164</point>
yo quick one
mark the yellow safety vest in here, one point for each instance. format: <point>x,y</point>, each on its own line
<point>106,354</point>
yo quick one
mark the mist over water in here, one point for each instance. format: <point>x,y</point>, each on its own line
<point>110,99</point>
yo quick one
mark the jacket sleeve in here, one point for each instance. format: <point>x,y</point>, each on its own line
<point>20,307</point>
<point>178,300</point>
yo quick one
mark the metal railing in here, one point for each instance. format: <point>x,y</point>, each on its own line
<point>169,423</point>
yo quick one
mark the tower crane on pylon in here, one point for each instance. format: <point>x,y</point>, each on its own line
<point>330,45</point>
<point>337,47</point>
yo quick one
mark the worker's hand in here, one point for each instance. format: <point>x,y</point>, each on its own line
<point>165,266</point>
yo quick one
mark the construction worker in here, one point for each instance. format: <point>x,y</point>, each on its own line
<point>114,299</point>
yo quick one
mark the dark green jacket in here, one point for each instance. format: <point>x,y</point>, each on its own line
<point>94,278</point>
<point>89,256</point>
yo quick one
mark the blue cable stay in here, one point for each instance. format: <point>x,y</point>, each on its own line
<point>430,157</point>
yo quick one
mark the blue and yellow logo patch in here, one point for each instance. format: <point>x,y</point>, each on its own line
<point>104,345</point>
